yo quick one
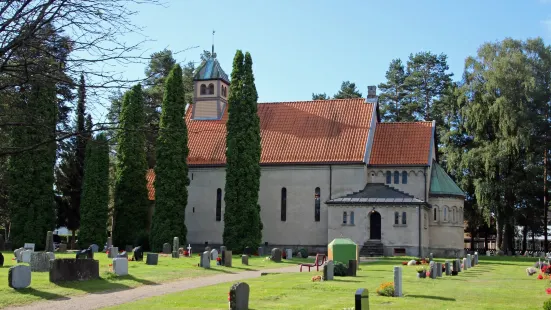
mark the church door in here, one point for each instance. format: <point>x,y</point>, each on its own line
<point>375,225</point>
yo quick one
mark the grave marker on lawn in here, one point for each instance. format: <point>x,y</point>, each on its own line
<point>260,251</point>
<point>95,248</point>
<point>244,259</point>
<point>289,254</point>
<point>223,254</point>
<point>227,258</point>
<point>439,270</point>
<point>29,246</point>
<point>213,254</point>
<point>465,266</point>
<point>72,269</point>
<point>431,257</point>
<point>120,266</point>
<point>328,271</point>
<point>475,258</point>
<point>137,254</point>
<point>40,261</point>
<point>26,256</point>
<point>448,271</point>
<point>189,250</point>
<point>361,299</point>
<point>458,264</point>
<point>109,242</point>
<point>49,242</point>
<point>17,254</point>
<point>397,281</point>
<point>113,252</point>
<point>152,259</point>
<point>205,260</point>
<point>469,260</point>
<point>175,247</point>
<point>433,272</point>
<point>19,276</point>
<point>166,248</point>
<point>239,296</point>
<point>276,255</point>
<point>352,267</point>
<point>1,259</point>
<point>248,251</point>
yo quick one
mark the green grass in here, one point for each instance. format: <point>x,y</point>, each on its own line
<point>167,270</point>
<point>497,283</point>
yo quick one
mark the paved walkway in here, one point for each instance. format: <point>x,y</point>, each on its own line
<point>111,298</point>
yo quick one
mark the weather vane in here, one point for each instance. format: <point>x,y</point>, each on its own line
<point>213,55</point>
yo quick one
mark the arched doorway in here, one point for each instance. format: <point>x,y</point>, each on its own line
<point>374,225</point>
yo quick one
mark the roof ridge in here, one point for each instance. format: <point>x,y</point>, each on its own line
<point>393,188</point>
<point>311,101</point>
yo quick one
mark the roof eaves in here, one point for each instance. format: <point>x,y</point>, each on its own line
<point>432,144</point>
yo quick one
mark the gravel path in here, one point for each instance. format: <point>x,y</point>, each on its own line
<point>111,298</point>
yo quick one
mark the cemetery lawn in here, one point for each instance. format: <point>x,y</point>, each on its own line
<point>167,270</point>
<point>497,283</point>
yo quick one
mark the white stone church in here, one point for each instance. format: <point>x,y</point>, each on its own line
<point>329,168</point>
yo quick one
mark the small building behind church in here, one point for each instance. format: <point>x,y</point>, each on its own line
<point>329,169</point>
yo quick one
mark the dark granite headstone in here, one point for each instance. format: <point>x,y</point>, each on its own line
<point>175,247</point>
<point>260,251</point>
<point>138,254</point>
<point>361,299</point>
<point>49,242</point>
<point>244,259</point>
<point>239,296</point>
<point>152,259</point>
<point>71,269</point>
<point>1,260</point>
<point>248,251</point>
<point>85,254</point>
<point>276,255</point>
<point>2,245</point>
<point>352,267</point>
<point>166,248</point>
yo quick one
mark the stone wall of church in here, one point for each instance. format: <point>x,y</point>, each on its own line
<point>404,236</point>
<point>446,226</point>
<point>416,185</point>
<point>300,183</point>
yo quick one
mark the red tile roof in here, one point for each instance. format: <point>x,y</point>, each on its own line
<point>402,144</point>
<point>291,132</point>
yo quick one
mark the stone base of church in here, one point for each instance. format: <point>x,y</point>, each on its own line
<point>445,252</point>
<point>399,250</point>
<point>312,249</point>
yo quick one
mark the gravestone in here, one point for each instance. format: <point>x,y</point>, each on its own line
<point>113,252</point>
<point>469,260</point>
<point>439,270</point>
<point>458,264</point>
<point>289,254</point>
<point>245,259</point>
<point>85,254</point>
<point>26,256</point>
<point>137,254</point>
<point>352,267</point>
<point>40,261</point>
<point>166,248</point>
<point>123,254</point>
<point>431,257</point>
<point>51,255</point>
<point>433,272</point>
<point>1,259</point>
<point>205,260</point>
<point>2,244</point>
<point>213,254</point>
<point>17,254</point>
<point>72,269</point>
<point>227,258</point>
<point>248,251</point>
<point>276,255</point>
<point>260,251</point>
<point>128,248</point>
<point>62,247</point>
<point>95,248</point>
<point>239,296</point>
<point>361,299</point>
<point>448,271</point>
<point>120,266</point>
<point>328,271</point>
<point>29,246</point>
<point>152,259</point>
<point>222,255</point>
<point>454,263</point>
<point>109,242</point>
<point>175,247</point>
<point>476,258</point>
<point>398,281</point>
<point>465,266</point>
<point>19,276</point>
<point>207,248</point>
<point>49,242</point>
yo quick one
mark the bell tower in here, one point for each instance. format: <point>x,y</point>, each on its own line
<point>211,87</point>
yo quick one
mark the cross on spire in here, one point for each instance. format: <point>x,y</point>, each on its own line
<point>212,54</point>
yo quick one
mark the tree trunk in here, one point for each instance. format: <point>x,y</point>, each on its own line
<point>486,240</point>
<point>73,239</point>
<point>533,241</point>
<point>499,230</point>
<point>545,245</point>
<point>524,237</point>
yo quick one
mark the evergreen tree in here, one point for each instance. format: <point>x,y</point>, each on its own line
<point>348,90</point>
<point>320,96</point>
<point>428,79</point>
<point>393,94</point>
<point>242,224</point>
<point>131,203</point>
<point>171,171</point>
<point>95,193</point>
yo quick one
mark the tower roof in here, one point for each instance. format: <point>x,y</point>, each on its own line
<point>441,184</point>
<point>210,69</point>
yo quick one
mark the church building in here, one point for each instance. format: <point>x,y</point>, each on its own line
<point>329,169</point>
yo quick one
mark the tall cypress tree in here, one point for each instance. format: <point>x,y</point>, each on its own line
<point>242,223</point>
<point>131,202</point>
<point>171,170</point>
<point>95,193</point>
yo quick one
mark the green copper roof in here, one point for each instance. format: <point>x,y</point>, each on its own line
<point>342,241</point>
<point>441,184</point>
<point>210,69</point>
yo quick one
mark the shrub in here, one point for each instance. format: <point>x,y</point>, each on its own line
<point>386,289</point>
<point>547,305</point>
<point>420,269</point>
<point>302,252</point>
<point>340,269</point>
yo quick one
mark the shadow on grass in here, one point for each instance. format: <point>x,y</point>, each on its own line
<point>222,270</point>
<point>431,297</point>
<point>104,285</point>
<point>246,268</point>
<point>40,294</point>
<point>346,280</point>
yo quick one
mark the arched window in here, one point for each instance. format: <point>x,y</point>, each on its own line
<point>396,218</point>
<point>396,177</point>
<point>218,205</point>
<point>445,214</point>
<point>211,89</point>
<point>404,219</point>
<point>453,215</point>
<point>435,213</point>
<point>388,177</point>
<point>283,204</point>
<point>203,89</point>
<point>344,217</point>
<point>404,177</point>
<point>352,218</point>
<point>317,204</point>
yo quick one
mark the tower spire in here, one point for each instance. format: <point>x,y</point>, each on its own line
<point>212,52</point>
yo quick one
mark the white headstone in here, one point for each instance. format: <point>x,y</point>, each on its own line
<point>465,265</point>
<point>29,246</point>
<point>120,266</point>
<point>328,271</point>
<point>205,260</point>
<point>189,250</point>
<point>213,254</point>
<point>17,254</point>
<point>289,254</point>
<point>488,253</point>
<point>26,256</point>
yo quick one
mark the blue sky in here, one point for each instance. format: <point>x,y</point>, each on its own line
<point>305,46</point>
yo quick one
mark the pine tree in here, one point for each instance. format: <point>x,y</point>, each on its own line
<point>320,96</point>
<point>348,90</point>
<point>393,93</point>
<point>242,224</point>
<point>131,202</point>
<point>171,171</point>
<point>95,193</point>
